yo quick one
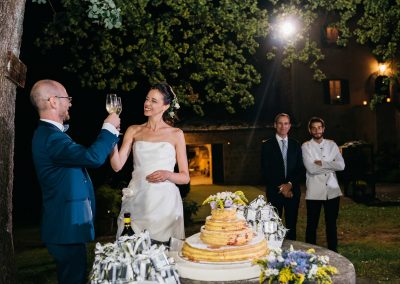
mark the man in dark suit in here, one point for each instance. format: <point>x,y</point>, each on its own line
<point>67,191</point>
<point>283,170</point>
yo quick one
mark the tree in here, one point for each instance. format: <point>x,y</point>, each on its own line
<point>11,19</point>
<point>206,48</point>
<point>202,48</point>
<point>373,23</point>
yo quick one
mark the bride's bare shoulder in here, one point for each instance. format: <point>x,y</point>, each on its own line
<point>135,129</point>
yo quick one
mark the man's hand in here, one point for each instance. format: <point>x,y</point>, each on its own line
<point>286,190</point>
<point>114,120</point>
<point>318,162</point>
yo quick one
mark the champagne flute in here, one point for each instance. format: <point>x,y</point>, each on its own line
<point>118,104</point>
<point>111,103</point>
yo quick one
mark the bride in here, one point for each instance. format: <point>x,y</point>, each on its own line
<point>152,197</point>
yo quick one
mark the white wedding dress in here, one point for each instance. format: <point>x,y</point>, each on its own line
<point>156,207</point>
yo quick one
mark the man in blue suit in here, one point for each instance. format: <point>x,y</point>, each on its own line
<point>283,171</point>
<point>67,191</point>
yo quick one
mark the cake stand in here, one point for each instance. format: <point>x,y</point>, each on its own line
<point>215,271</point>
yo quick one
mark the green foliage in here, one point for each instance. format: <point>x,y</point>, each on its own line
<point>105,12</point>
<point>190,208</point>
<point>108,201</point>
<point>374,23</point>
<point>204,49</point>
<point>200,47</point>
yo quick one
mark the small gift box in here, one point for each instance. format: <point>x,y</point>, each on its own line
<point>132,260</point>
<point>250,214</point>
<point>264,219</point>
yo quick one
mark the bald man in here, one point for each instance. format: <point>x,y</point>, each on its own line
<point>67,191</point>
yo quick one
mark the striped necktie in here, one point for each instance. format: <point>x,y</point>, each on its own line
<point>284,155</point>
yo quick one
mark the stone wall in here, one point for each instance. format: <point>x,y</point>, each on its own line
<point>241,151</point>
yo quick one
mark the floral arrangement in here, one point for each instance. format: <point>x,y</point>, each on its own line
<point>226,199</point>
<point>295,266</point>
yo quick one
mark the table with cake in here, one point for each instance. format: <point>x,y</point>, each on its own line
<point>234,245</point>
<point>225,249</point>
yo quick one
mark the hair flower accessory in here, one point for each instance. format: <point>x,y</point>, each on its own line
<point>174,106</point>
<point>295,266</point>
<point>226,199</point>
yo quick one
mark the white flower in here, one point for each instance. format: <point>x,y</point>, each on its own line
<point>177,106</point>
<point>126,193</point>
<point>313,271</point>
<point>271,257</point>
<point>171,114</point>
<point>271,271</point>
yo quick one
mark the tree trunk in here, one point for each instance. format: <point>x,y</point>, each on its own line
<point>11,19</point>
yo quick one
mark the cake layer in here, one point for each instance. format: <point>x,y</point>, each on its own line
<point>224,237</point>
<point>227,225</point>
<point>197,252</point>
<point>223,214</point>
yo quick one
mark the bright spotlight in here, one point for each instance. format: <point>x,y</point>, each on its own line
<point>287,28</point>
<point>382,68</point>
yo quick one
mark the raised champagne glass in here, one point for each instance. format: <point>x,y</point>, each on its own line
<point>111,103</point>
<point>118,105</point>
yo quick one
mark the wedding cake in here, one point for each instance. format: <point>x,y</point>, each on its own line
<point>225,237</point>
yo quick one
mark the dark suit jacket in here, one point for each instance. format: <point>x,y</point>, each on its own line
<point>273,169</point>
<point>67,191</point>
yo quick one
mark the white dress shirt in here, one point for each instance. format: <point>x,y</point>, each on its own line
<point>321,181</point>
<point>106,125</point>
<point>280,141</point>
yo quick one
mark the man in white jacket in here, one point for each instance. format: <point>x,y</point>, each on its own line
<point>321,159</point>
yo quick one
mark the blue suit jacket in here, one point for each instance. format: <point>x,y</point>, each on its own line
<point>67,191</point>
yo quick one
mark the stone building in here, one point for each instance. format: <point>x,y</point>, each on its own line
<point>229,153</point>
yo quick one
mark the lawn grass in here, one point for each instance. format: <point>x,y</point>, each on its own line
<point>368,236</point>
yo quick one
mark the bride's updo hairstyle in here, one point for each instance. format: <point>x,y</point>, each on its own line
<point>170,98</point>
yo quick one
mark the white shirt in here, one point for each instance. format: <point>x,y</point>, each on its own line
<point>107,126</point>
<point>280,141</point>
<point>321,181</point>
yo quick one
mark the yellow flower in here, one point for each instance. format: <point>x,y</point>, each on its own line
<point>311,250</point>
<point>285,275</point>
<point>241,196</point>
<point>300,278</point>
<point>331,269</point>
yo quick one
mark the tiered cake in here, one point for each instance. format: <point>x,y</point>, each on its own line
<point>225,238</point>
<point>224,228</point>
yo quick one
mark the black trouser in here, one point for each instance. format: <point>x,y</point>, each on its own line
<point>331,210</point>
<point>291,208</point>
<point>71,262</point>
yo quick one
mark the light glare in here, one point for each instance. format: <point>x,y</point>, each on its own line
<point>287,29</point>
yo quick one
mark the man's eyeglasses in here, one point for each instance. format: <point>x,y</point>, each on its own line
<point>69,98</point>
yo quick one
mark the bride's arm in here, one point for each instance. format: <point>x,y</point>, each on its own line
<point>183,176</point>
<point>119,157</point>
